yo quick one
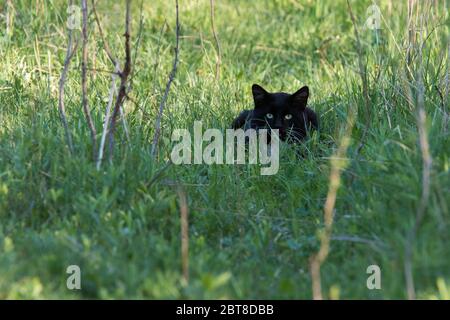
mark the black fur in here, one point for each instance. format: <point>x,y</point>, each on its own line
<point>286,112</point>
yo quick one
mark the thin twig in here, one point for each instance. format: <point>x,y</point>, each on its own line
<point>157,60</point>
<point>337,165</point>
<point>184,213</point>
<point>124,122</point>
<point>166,92</point>
<point>441,97</point>
<point>132,73</point>
<point>123,80</point>
<point>117,70</point>
<point>84,62</point>
<point>363,75</point>
<point>411,34</point>
<point>216,39</point>
<point>447,73</point>
<point>423,204</point>
<point>426,172</point>
<point>100,30</point>
<point>61,106</point>
<point>138,42</point>
<point>9,12</point>
<point>112,91</point>
<point>374,243</point>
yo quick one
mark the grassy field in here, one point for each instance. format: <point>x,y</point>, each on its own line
<point>250,236</point>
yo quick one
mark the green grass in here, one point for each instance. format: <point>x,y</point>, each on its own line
<point>251,236</point>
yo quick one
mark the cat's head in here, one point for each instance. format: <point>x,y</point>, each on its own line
<point>282,111</point>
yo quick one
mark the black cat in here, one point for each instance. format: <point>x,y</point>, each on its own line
<point>286,112</point>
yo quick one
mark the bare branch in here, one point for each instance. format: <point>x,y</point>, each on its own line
<point>86,110</point>
<point>124,122</point>
<point>123,80</point>
<point>100,30</point>
<point>61,106</point>
<point>112,91</point>
<point>166,92</point>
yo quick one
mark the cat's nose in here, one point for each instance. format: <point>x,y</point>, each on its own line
<point>278,124</point>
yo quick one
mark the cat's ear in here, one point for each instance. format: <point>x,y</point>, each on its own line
<point>300,98</point>
<point>259,94</point>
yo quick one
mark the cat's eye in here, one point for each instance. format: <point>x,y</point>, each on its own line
<point>288,116</point>
<point>269,116</point>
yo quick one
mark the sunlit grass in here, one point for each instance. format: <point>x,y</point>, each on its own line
<point>250,235</point>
